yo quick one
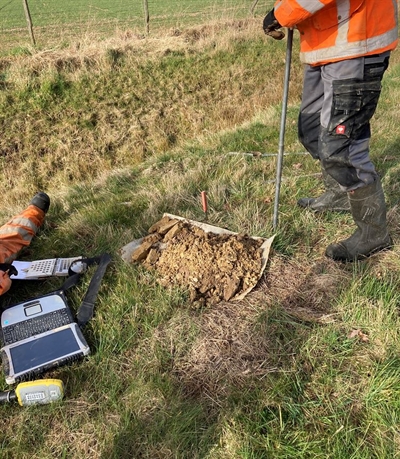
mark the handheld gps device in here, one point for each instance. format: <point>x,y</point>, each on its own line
<point>38,392</point>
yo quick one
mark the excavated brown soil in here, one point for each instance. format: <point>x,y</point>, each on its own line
<point>213,267</point>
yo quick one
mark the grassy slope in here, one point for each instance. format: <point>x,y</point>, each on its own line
<point>307,365</point>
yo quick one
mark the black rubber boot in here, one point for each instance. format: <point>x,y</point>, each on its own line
<point>369,213</point>
<point>334,199</point>
<point>41,200</point>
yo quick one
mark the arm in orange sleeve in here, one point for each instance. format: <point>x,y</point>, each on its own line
<point>289,13</point>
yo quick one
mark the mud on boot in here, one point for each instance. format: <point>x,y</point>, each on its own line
<point>334,199</point>
<point>368,209</point>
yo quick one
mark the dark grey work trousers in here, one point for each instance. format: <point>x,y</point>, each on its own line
<point>338,102</point>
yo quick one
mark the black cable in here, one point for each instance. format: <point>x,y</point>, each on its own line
<point>8,396</point>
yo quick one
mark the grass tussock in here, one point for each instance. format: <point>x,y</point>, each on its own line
<point>306,365</point>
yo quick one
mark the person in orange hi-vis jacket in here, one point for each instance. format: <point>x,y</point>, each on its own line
<point>18,233</point>
<point>345,46</point>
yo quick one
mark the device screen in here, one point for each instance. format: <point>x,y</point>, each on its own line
<point>45,349</point>
<point>34,309</point>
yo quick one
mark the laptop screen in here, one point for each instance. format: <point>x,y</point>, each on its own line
<point>38,352</point>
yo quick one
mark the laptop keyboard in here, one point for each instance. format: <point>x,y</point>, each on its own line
<point>35,326</point>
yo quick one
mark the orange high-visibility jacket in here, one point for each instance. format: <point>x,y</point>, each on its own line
<point>15,235</point>
<point>334,30</point>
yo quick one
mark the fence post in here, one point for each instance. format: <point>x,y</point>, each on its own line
<point>146,15</point>
<point>253,7</point>
<point>29,21</point>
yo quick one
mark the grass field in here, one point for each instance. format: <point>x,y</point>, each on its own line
<point>307,365</point>
<point>56,22</point>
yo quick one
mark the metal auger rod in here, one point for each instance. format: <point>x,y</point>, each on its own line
<point>289,47</point>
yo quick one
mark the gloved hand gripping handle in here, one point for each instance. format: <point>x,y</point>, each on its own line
<point>271,26</point>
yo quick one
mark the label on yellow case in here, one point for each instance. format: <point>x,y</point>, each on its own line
<point>39,392</point>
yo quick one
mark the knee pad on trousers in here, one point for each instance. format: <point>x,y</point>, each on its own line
<point>308,132</point>
<point>344,175</point>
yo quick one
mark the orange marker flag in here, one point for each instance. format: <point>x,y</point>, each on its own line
<point>204,201</point>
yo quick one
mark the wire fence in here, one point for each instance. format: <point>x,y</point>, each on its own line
<point>55,21</point>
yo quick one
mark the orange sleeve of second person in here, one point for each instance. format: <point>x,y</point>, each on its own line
<point>18,232</point>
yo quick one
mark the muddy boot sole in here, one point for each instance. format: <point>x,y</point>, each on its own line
<point>340,252</point>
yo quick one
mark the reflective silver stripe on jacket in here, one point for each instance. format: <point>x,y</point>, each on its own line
<point>343,11</point>
<point>24,227</point>
<point>311,6</point>
<point>25,234</point>
<point>307,5</point>
<point>347,50</point>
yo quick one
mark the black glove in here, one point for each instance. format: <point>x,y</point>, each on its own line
<point>12,270</point>
<point>271,26</point>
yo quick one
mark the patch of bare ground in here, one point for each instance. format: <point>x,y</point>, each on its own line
<point>231,348</point>
<point>304,291</point>
<point>234,345</point>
